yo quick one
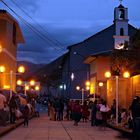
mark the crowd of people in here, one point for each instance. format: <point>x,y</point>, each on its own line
<point>16,107</point>
<point>97,112</point>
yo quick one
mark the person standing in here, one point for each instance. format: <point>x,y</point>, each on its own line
<point>76,113</point>
<point>68,109</point>
<point>37,108</point>
<point>61,109</point>
<point>2,112</point>
<point>85,112</point>
<point>93,114</point>
<point>26,114</point>
<point>13,107</point>
<point>57,108</point>
<point>104,111</point>
<point>113,110</point>
<point>135,111</point>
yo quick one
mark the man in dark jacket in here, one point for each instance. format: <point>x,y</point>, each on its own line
<point>13,107</point>
<point>93,113</point>
<point>135,109</point>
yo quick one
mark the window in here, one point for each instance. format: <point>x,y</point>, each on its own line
<point>121,14</point>
<point>121,32</point>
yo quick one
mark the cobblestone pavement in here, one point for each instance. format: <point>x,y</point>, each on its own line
<point>44,129</point>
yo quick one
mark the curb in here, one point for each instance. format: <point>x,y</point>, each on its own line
<point>11,127</point>
<point>123,130</point>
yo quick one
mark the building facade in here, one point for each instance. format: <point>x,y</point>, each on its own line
<point>10,36</point>
<point>101,63</point>
<point>96,49</point>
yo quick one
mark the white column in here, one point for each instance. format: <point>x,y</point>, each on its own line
<point>82,96</point>
<point>11,83</point>
<point>117,98</point>
<point>25,90</point>
<point>94,96</point>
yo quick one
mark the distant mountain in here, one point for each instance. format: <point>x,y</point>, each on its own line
<point>30,68</point>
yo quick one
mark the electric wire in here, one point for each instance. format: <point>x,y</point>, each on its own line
<point>26,13</point>
<point>31,27</point>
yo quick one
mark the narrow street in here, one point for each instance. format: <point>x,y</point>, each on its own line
<point>44,129</point>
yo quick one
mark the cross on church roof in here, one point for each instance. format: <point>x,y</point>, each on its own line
<point>120,1</point>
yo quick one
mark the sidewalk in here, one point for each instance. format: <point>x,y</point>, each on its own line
<point>43,129</point>
<point>9,127</point>
<point>120,128</point>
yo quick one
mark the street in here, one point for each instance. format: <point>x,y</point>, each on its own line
<point>44,129</point>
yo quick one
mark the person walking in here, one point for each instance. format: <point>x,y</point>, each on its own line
<point>68,109</point>
<point>13,107</point>
<point>113,111</point>
<point>26,114</point>
<point>56,106</point>
<point>76,113</point>
<point>104,111</point>
<point>85,112</point>
<point>61,109</point>
<point>135,111</point>
<point>2,112</point>
<point>93,114</point>
<point>37,108</point>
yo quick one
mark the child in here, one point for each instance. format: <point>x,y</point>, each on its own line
<point>26,115</point>
<point>123,117</point>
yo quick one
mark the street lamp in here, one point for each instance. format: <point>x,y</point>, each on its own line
<point>83,90</point>
<point>37,88</point>
<point>2,69</point>
<point>26,86</point>
<point>72,76</point>
<point>32,82</point>
<point>101,84</point>
<point>125,75</point>
<point>21,69</point>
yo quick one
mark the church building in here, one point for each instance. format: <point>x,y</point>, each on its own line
<point>90,59</point>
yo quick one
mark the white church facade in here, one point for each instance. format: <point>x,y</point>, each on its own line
<point>122,89</point>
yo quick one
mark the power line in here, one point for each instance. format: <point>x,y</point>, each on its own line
<point>58,42</point>
<point>32,28</point>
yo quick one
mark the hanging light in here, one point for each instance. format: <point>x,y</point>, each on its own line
<point>72,76</point>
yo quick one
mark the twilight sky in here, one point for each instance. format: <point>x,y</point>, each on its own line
<point>67,21</point>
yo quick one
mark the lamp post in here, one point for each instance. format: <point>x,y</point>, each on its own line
<point>32,82</point>
<point>82,95</point>
<point>27,85</point>
<point>100,84</point>
<point>83,90</point>
<point>21,69</point>
<point>37,88</point>
<point>117,98</point>
<point>125,75</point>
<point>24,84</point>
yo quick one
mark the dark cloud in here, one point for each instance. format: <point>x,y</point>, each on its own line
<point>31,6</point>
<point>36,57</point>
<point>39,51</point>
<point>68,21</point>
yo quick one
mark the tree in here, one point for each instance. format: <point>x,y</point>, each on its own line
<point>127,58</point>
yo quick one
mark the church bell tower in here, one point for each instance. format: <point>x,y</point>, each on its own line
<point>121,26</point>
